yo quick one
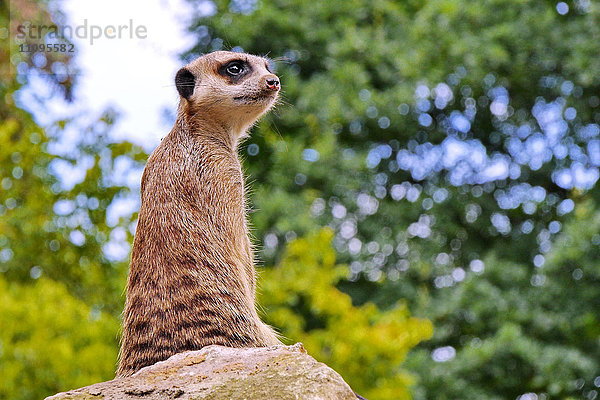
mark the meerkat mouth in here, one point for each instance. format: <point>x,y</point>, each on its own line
<point>254,98</point>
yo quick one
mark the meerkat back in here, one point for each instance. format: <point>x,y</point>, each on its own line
<point>192,278</point>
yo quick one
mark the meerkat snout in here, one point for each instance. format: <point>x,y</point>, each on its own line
<point>233,88</point>
<point>272,83</point>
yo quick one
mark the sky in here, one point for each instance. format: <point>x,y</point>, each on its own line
<point>135,75</point>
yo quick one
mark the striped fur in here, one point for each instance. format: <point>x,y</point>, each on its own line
<point>192,278</point>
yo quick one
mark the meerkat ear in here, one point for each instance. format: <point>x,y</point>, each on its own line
<point>185,82</point>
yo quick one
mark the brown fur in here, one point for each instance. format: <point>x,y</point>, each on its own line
<point>192,278</point>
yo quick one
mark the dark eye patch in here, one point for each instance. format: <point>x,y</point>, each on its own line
<point>235,70</point>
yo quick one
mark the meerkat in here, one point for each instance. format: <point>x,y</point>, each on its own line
<point>192,277</point>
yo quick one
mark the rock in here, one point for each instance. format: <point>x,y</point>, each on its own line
<point>217,372</point>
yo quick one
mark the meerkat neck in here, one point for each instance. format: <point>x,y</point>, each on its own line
<point>213,150</point>
<point>210,127</point>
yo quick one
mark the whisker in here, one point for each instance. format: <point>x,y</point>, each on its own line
<point>283,59</point>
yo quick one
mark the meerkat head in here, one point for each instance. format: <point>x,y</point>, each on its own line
<point>230,89</point>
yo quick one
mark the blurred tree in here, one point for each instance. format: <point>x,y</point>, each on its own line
<point>364,344</point>
<point>439,140</point>
<point>51,342</point>
<point>48,227</point>
<point>56,278</point>
<point>521,328</point>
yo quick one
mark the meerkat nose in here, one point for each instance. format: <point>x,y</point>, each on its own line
<point>273,83</point>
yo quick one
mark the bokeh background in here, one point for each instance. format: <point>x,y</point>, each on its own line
<point>425,198</point>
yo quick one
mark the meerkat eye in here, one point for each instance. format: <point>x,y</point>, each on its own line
<point>235,68</point>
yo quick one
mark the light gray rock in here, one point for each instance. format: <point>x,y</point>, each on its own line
<point>217,372</point>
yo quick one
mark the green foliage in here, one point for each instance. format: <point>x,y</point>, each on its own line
<point>66,245</point>
<point>363,84</point>
<point>363,343</point>
<point>522,328</point>
<point>60,297</point>
<point>352,64</point>
<point>46,228</point>
<point>51,341</point>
